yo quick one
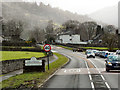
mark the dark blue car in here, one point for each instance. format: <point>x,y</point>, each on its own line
<point>113,62</point>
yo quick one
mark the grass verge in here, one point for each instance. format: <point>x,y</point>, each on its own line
<point>34,79</point>
<point>98,48</point>
<point>11,55</point>
<point>65,47</point>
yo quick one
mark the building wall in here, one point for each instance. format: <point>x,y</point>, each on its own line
<point>1,39</point>
<point>69,38</point>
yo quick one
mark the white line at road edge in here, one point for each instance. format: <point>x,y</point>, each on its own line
<point>92,85</point>
<point>101,75</point>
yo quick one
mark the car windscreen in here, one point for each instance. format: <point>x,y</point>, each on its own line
<point>114,58</point>
<point>89,52</point>
<point>94,51</point>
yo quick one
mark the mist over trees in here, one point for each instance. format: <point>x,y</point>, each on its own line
<point>12,29</point>
<point>43,23</point>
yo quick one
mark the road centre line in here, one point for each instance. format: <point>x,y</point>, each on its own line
<point>107,85</point>
<point>101,75</point>
<point>92,85</point>
<point>90,77</point>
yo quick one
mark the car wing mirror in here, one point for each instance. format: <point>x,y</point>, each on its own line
<point>105,60</point>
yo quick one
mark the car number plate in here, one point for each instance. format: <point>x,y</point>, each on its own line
<point>116,66</point>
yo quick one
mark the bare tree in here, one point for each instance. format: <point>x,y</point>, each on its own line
<point>38,34</point>
<point>110,29</point>
<point>13,29</point>
<point>50,35</point>
<point>110,40</point>
<point>90,27</point>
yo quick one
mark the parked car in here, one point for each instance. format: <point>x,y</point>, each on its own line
<point>88,50</point>
<point>90,54</point>
<point>77,50</point>
<point>112,63</point>
<point>97,53</point>
<point>100,54</point>
<point>118,52</point>
<point>94,51</point>
<point>112,53</point>
<point>104,54</point>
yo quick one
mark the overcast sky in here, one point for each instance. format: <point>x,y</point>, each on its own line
<point>80,6</point>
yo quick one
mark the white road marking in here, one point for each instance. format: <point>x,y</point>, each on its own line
<point>53,51</point>
<point>65,70</point>
<point>107,85</point>
<point>101,75</point>
<point>93,87</point>
<point>90,77</point>
<point>92,84</point>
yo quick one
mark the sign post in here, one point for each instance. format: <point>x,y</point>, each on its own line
<point>47,48</point>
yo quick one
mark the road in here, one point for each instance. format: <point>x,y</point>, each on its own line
<point>79,75</point>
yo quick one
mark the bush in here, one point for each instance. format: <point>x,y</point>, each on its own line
<point>15,43</point>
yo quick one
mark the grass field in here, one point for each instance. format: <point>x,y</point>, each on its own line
<point>10,55</point>
<point>34,79</point>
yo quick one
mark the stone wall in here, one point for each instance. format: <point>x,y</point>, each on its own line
<point>12,65</point>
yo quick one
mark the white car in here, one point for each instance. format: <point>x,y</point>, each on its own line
<point>90,54</point>
<point>118,52</point>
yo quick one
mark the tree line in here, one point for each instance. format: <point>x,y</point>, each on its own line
<point>87,30</point>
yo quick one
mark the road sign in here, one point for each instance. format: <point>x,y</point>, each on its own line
<point>47,47</point>
<point>33,65</point>
<point>33,62</point>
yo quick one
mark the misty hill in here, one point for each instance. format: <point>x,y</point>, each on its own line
<point>35,15</point>
<point>107,15</point>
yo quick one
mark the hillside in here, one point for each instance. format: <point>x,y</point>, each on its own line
<point>35,15</point>
<point>108,15</point>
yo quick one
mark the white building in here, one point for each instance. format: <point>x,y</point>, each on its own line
<point>72,39</point>
<point>1,39</point>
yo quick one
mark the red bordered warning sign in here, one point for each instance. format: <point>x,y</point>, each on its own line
<point>47,47</point>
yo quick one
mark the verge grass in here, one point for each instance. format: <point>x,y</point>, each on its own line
<point>65,47</point>
<point>99,48</point>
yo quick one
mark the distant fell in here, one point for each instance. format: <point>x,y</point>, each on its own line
<point>108,15</point>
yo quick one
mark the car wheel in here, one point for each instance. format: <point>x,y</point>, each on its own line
<point>107,70</point>
<point>94,57</point>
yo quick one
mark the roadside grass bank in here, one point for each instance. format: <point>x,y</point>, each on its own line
<point>97,48</point>
<point>11,55</point>
<point>34,79</point>
<point>65,47</point>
